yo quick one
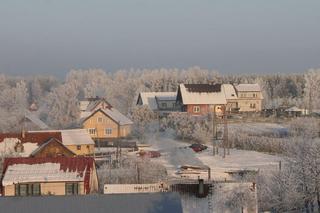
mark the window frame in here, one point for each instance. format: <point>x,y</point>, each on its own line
<point>108,131</point>
<point>30,189</point>
<point>92,131</point>
<point>196,109</point>
<point>74,188</point>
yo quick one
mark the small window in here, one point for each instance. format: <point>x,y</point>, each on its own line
<point>78,147</point>
<point>108,131</point>
<point>164,105</point>
<point>232,95</point>
<point>100,120</point>
<point>92,131</point>
<point>196,109</point>
<point>72,188</point>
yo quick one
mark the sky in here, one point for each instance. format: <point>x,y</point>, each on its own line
<point>231,36</point>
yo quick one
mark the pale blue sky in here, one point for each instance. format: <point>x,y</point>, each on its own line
<point>233,36</point>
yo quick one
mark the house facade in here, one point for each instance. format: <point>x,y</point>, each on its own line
<point>160,102</point>
<point>106,124</point>
<point>201,99</point>
<point>52,148</point>
<point>249,97</point>
<point>78,141</point>
<point>49,176</point>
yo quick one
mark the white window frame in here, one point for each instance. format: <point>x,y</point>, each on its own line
<point>108,131</point>
<point>92,131</point>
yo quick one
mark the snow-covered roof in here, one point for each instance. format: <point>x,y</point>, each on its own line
<point>46,172</point>
<point>149,98</point>
<point>229,91</point>
<point>72,136</point>
<point>117,116</point>
<point>211,94</point>
<point>34,119</point>
<point>50,169</point>
<point>112,113</point>
<point>248,88</point>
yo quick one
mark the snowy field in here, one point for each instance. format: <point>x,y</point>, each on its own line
<point>259,128</point>
<point>176,153</point>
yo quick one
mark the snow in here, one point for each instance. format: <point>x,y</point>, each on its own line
<point>73,136</point>
<point>259,128</point>
<point>8,144</point>
<point>229,91</point>
<point>34,119</point>
<point>248,88</point>
<point>28,148</point>
<point>117,116</point>
<point>176,153</point>
<point>203,97</point>
<point>46,172</point>
<point>149,98</point>
<point>76,137</point>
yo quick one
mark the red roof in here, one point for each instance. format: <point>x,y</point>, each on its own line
<point>32,137</point>
<point>83,165</point>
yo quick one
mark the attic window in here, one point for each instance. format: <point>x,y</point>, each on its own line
<point>100,120</point>
<point>232,95</point>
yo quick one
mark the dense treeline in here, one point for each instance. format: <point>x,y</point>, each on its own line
<point>58,99</point>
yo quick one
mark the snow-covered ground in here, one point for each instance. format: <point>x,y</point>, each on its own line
<point>176,153</point>
<point>259,128</point>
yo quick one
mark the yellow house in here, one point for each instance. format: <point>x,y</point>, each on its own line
<point>107,123</point>
<point>76,140</point>
<point>49,176</point>
<point>249,97</point>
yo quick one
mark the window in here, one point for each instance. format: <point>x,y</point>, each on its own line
<point>78,147</point>
<point>254,95</point>
<point>100,120</point>
<point>196,109</point>
<point>108,131</point>
<point>92,131</point>
<point>72,188</point>
<point>27,189</point>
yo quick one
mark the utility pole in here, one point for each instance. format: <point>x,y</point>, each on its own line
<point>225,131</point>
<point>213,131</point>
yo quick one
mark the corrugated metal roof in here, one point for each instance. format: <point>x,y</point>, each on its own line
<point>133,203</point>
<point>82,165</point>
<point>71,136</point>
<point>38,137</point>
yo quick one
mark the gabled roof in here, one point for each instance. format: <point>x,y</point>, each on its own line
<point>229,91</point>
<point>32,137</point>
<point>248,88</point>
<point>113,114</point>
<point>17,170</point>
<point>99,203</point>
<point>34,119</point>
<point>90,104</point>
<point>201,94</point>
<point>52,140</point>
<point>71,136</point>
<point>150,98</point>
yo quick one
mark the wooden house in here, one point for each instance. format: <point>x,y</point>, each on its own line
<point>77,141</point>
<point>49,176</point>
<point>201,99</point>
<point>106,124</point>
<point>249,97</point>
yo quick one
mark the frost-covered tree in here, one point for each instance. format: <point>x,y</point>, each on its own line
<point>62,106</point>
<point>312,88</point>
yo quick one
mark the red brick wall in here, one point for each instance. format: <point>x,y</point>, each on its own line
<point>204,109</point>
